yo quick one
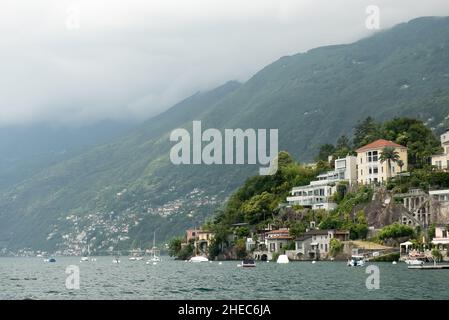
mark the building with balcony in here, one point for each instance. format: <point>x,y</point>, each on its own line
<point>317,195</point>
<point>441,161</point>
<point>315,244</point>
<point>369,167</point>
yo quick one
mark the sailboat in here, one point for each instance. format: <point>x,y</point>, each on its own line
<point>85,258</point>
<point>155,252</point>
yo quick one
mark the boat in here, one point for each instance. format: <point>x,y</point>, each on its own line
<point>414,262</point>
<point>52,259</point>
<point>85,258</point>
<point>199,259</point>
<point>155,252</point>
<point>282,259</point>
<point>247,263</point>
<point>116,260</point>
<point>356,261</point>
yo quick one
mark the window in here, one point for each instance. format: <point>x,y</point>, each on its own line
<point>370,170</point>
<point>272,247</point>
<point>361,172</point>
<point>321,246</point>
<point>280,245</point>
<point>325,247</point>
<point>372,156</point>
<point>375,170</point>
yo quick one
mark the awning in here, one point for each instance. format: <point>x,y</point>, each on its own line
<point>407,243</point>
<point>440,241</point>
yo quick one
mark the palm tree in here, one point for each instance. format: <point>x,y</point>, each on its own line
<point>389,154</point>
<point>400,164</point>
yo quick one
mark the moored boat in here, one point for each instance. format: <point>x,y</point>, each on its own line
<point>356,261</point>
<point>199,259</point>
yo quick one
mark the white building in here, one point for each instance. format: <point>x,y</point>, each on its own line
<point>277,240</point>
<point>318,193</point>
<point>315,244</point>
<point>441,161</point>
<point>440,195</point>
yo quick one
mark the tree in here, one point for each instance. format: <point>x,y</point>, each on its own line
<point>366,132</point>
<point>412,133</point>
<point>389,154</point>
<point>335,247</point>
<point>325,151</point>
<point>400,164</point>
<point>436,254</point>
<point>174,247</point>
<point>297,228</point>
<point>343,147</point>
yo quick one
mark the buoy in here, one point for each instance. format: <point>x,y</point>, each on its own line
<point>313,261</point>
<point>394,262</point>
<point>220,263</point>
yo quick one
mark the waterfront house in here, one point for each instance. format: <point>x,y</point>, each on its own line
<point>277,240</point>
<point>369,167</point>
<point>201,239</point>
<point>441,161</point>
<point>315,244</point>
<point>317,195</point>
<point>441,239</point>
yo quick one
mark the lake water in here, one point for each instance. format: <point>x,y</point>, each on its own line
<point>31,278</point>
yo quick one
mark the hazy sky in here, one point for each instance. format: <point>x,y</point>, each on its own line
<point>73,61</point>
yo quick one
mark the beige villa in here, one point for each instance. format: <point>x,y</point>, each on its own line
<point>369,167</point>
<point>441,161</point>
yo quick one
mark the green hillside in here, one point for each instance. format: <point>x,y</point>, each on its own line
<point>126,189</point>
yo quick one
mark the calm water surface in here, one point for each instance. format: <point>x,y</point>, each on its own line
<point>31,278</point>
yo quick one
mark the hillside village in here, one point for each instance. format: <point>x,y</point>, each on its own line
<point>372,193</point>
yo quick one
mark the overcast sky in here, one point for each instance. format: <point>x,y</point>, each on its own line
<point>72,62</point>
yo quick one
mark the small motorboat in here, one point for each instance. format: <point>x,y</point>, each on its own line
<point>199,259</point>
<point>247,263</point>
<point>414,262</point>
<point>52,260</point>
<point>84,259</point>
<point>356,261</point>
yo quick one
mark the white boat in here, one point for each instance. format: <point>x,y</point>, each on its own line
<point>116,260</point>
<point>356,261</point>
<point>282,259</point>
<point>414,262</point>
<point>85,258</point>
<point>199,259</point>
<point>155,252</point>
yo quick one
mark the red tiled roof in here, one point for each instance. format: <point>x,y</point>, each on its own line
<point>280,237</point>
<point>378,144</point>
<point>279,231</point>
